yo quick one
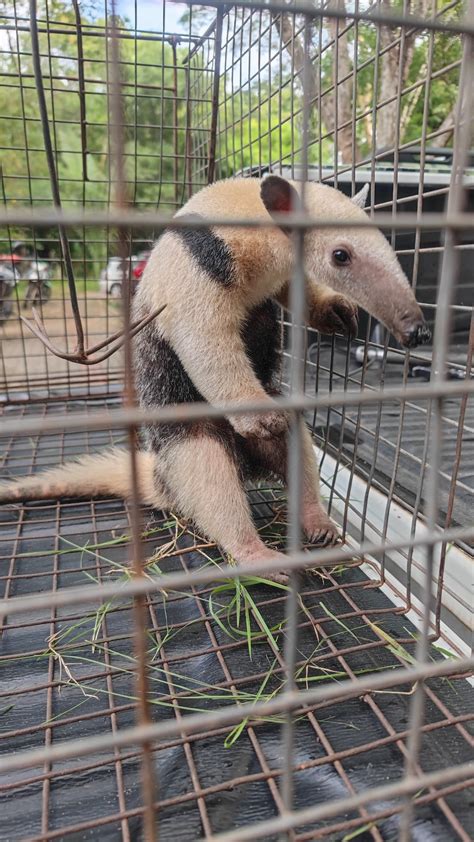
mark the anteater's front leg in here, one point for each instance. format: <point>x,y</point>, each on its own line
<point>264,457</point>
<point>214,356</point>
<point>327,311</point>
<point>202,477</point>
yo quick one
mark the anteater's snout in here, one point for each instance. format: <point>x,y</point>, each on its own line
<point>416,334</point>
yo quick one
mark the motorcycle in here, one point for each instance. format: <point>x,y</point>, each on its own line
<point>8,281</point>
<point>39,283</point>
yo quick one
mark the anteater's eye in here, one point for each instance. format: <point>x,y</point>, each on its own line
<point>341,257</point>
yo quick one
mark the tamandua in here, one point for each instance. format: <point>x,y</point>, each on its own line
<point>218,339</point>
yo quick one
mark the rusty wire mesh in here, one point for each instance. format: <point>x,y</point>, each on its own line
<point>128,710</point>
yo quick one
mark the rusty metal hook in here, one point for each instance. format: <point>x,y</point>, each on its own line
<point>84,356</point>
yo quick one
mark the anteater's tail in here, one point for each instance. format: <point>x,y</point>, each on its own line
<point>99,475</point>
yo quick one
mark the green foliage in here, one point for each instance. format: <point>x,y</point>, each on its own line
<point>259,114</point>
<point>154,108</point>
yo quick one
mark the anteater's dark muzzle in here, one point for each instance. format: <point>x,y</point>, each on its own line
<point>418,334</point>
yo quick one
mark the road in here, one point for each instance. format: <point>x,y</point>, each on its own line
<point>24,360</point>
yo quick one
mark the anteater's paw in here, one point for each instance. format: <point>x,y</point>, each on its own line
<point>248,558</point>
<point>280,578</point>
<point>326,537</point>
<point>336,314</point>
<point>267,425</point>
<point>319,528</point>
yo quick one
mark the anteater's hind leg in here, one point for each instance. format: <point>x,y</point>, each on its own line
<point>316,522</point>
<point>202,477</point>
<point>271,456</point>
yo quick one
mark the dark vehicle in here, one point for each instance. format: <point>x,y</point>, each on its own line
<point>402,183</point>
<point>435,180</point>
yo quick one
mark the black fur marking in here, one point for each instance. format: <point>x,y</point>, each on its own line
<point>261,336</point>
<point>210,252</point>
<point>161,380</point>
<point>260,459</point>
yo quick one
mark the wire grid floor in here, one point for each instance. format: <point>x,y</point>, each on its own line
<point>70,674</point>
<point>387,445</point>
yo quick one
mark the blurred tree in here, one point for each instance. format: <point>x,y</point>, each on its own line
<point>154,86</point>
<point>357,74</point>
<point>366,92</point>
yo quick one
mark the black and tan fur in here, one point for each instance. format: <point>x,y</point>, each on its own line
<point>218,340</point>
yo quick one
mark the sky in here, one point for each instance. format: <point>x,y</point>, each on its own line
<point>150,17</point>
<point>150,14</point>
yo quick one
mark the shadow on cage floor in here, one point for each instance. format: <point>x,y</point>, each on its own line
<point>69,674</point>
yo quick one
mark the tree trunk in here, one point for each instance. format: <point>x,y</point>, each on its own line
<point>343,90</point>
<point>284,25</point>
<point>342,68</point>
<point>447,128</point>
<point>391,75</point>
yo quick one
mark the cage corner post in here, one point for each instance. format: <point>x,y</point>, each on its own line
<point>117,122</point>
<point>211,161</point>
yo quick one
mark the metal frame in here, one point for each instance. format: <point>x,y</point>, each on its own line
<point>209,112</point>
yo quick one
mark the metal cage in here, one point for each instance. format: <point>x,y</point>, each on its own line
<point>149,692</point>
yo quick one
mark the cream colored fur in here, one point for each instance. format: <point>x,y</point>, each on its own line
<point>97,475</point>
<point>202,322</point>
<point>207,337</point>
<point>205,486</point>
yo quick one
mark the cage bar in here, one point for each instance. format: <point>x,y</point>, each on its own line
<point>152,690</point>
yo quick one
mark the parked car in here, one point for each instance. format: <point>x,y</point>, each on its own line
<point>143,259</point>
<point>110,279</point>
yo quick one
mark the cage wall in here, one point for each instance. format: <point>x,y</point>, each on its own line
<point>148,695</point>
<point>167,89</point>
<point>374,119</point>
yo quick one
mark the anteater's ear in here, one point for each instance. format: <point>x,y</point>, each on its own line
<point>360,198</point>
<point>278,195</point>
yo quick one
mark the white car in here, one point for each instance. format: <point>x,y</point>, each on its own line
<point>110,279</point>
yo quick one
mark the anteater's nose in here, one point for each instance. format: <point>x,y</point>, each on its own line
<point>417,334</point>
